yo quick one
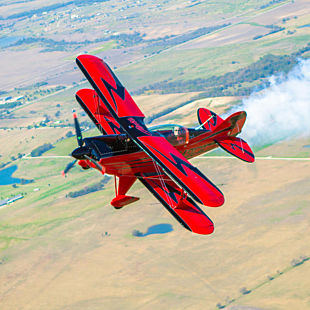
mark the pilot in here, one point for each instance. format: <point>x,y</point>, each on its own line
<point>178,133</point>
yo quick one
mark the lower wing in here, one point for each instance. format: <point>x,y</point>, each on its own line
<point>173,198</point>
<point>98,113</point>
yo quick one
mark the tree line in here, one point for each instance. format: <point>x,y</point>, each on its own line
<point>230,83</point>
<point>41,149</point>
<point>122,39</point>
<point>89,189</point>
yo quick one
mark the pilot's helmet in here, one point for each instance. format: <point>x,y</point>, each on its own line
<point>177,131</point>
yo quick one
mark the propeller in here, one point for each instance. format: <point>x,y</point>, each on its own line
<point>101,168</point>
<point>78,132</point>
<point>78,152</point>
<point>68,167</point>
<point>81,152</point>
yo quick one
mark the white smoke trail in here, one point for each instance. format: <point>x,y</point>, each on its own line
<point>281,110</point>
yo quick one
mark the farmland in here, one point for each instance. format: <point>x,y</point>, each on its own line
<point>59,252</point>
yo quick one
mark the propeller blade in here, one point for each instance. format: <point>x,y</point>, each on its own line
<point>68,167</point>
<point>78,130</point>
<point>101,168</point>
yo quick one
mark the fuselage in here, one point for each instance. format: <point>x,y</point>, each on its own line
<point>121,156</point>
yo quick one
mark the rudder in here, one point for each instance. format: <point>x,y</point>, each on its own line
<point>208,119</point>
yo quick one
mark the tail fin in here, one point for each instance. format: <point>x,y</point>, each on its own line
<point>208,119</point>
<point>224,132</point>
<point>232,125</point>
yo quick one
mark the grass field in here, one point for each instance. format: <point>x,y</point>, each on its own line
<point>83,251</point>
<point>206,62</point>
<point>55,246</point>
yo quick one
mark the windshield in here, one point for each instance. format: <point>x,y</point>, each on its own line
<point>175,134</point>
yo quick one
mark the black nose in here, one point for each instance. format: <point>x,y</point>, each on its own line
<point>80,152</point>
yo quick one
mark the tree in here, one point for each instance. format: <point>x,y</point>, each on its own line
<point>245,291</point>
<point>69,134</point>
<point>137,233</point>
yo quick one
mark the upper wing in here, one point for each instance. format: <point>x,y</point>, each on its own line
<point>109,88</point>
<point>127,114</point>
<point>183,208</point>
<point>98,113</point>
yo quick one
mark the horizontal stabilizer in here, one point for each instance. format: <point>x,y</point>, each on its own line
<point>237,147</point>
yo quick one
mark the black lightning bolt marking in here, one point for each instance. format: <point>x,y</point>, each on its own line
<point>180,164</point>
<point>116,129</point>
<point>214,119</point>
<point>119,90</point>
<point>234,146</point>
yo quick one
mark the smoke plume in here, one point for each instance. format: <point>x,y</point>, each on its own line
<point>280,111</point>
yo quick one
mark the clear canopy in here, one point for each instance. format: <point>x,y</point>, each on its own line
<point>175,134</point>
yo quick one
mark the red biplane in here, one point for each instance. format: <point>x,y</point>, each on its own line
<point>156,156</point>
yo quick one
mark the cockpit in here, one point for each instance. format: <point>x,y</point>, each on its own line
<point>175,134</point>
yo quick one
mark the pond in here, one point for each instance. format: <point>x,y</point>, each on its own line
<point>6,176</point>
<point>155,229</point>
